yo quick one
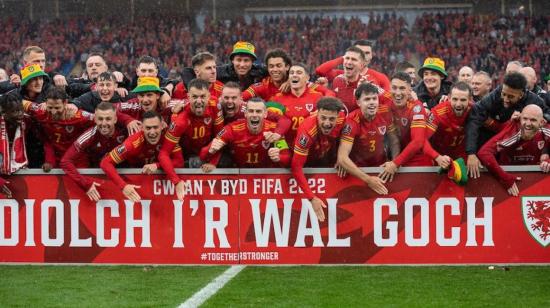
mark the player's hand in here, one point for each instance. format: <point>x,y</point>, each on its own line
<point>414,96</point>
<point>318,206</point>
<point>514,190</point>
<point>47,167</point>
<point>377,184</point>
<point>208,167</point>
<point>149,168</point>
<point>285,87</point>
<point>545,166</point>
<point>133,127</point>
<point>122,92</point>
<point>389,169</point>
<point>15,79</point>
<point>443,161</point>
<point>443,98</point>
<point>59,81</point>
<point>93,193</point>
<point>216,145</point>
<point>515,116</point>
<point>178,106</point>
<point>164,100</point>
<point>274,154</point>
<point>322,81</point>
<point>271,137</point>
<point>473,166</point>
<point>70,111</point>
<point>180,190</point>
<point>119,77</point>
<point>341,171</point>
<point>6,190</point>
<point>363,79</point>
<point>130,192</point>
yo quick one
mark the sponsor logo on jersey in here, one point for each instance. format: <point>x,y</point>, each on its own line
<point>417,109</point>
<point>346,129</point>
<point>121,149</point>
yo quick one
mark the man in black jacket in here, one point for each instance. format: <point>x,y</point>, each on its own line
<point>104,91</point>
<point>433,88</point>
<point>495,109</point>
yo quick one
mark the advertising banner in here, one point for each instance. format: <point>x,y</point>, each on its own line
<point>260,216</point>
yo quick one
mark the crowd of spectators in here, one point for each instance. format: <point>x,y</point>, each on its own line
<point>484,42</point>
<point>480,41</point>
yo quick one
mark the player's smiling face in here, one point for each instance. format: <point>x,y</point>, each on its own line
<point>368,103</point>
<point>242,64</point>
<point>105,121</point>
<point>298,77</point>
<point>400,92</point>
<point>510,96</point>
<point>326,120</point>
<point>432,79</point>
<point>152,130</point>
<point>459,101</point>
<point>106,89</point>
<point>531,121</point>
<point>197,100</point>
<point>35,85</point>
<point>255,115</point>
<point>147,70</point>
<point>148,100</point>
<point>353,64</point>
<point>277,69</point>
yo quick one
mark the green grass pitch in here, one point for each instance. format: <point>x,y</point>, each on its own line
<point>256,286</point>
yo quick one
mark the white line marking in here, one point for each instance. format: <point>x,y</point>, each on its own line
<point>214,286</point>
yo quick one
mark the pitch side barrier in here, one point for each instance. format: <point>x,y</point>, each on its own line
<point>259,216</point>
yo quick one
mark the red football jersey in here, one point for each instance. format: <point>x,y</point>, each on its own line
<point>248,150</point>
<point>58,135</point>
<point>410,122</point>
<point>90,147</point>
<point>136,151</point>
<point>297,109</point>
<point>445,132</point>
<point>323,149</point>
<point>193,132</point>
<point>267,89</point>
<point>367,138</point>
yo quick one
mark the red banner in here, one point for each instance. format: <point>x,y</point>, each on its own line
<point>260,217</point>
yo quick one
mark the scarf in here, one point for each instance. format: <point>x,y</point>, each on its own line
<point>15,158</point>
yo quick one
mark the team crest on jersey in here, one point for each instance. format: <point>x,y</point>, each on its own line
<point>346,129</point>
<point>536,214</point>
<point>121,149</point>
<point>404,121</point>
<point>382,129</point>
<point>69,128</point>
<point>120,138</point>
<point>266,144</point>
<point>309,107</point>
<point>541,145</point>
<point>172,125</point>
<point>158,147</point>
<point>303,141</point>
<point>207,120</point>
<point>417,109</point>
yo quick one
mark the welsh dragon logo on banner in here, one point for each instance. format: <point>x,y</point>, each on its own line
<point>536,215</point>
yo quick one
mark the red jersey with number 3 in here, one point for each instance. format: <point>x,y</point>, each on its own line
<point>367,138</point>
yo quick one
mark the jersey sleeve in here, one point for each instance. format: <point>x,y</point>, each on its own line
<point>328,70</point>
<point>68,166</point>
<point>349,131</point>
<point>418,128</point>
<point>301,151</point>
<point>115,157</point>
<point>255,90</point>
<point>431,127</point>
<point>487,156</point>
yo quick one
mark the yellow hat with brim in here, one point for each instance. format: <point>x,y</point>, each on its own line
<point>434,64</point>
<point>147,84</point>
<point>31,71</point>
<point>457,172</point>
<point>245,48</point>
